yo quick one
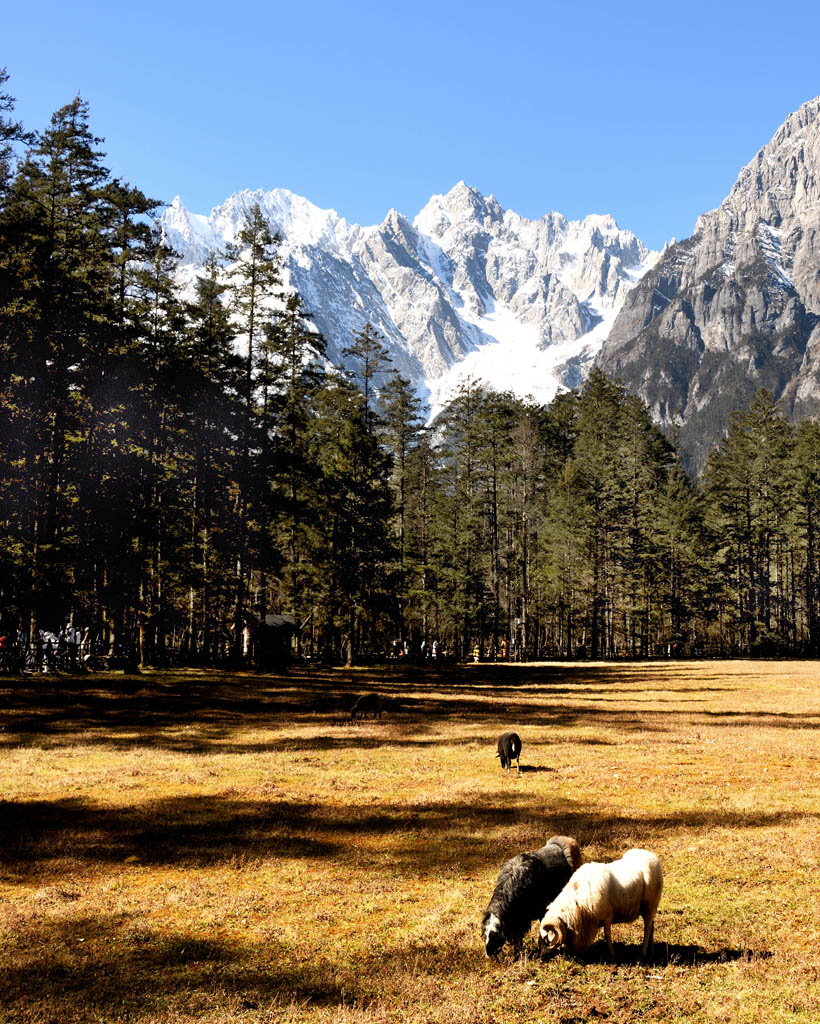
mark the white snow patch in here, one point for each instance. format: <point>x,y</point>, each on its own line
<point>635,273</point>
<point>512,359</point>
<point>769,238</point>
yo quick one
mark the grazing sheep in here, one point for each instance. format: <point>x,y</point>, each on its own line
<point>509,750</point>
<point>525,886</point>
<point>368,702</point>
<point>605,894</point>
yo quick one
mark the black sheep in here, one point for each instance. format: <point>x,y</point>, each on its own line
<point>509,749</point>
<point>368,702</point>
<point>527,884</point>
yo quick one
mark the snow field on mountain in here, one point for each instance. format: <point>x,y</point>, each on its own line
<point>512,358</point>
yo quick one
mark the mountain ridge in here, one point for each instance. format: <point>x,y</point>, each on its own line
<point>736,306</point>
<point>466,288</point>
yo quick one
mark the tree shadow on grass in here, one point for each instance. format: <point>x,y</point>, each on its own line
<point>73,969</point>
<point>83,968</point>
<point>190,718</point>
<point>105,969</point>
<point>51,840</point>
<point>200,712</point>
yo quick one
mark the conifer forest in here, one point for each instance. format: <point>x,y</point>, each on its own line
<point>174,468</point>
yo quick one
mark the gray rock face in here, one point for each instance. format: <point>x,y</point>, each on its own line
<point>465,279</point>
<point>736,307</point>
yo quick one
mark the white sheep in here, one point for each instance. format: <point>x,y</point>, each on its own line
<point>605,894</point>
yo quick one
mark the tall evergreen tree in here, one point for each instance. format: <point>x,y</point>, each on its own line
<point>109,383</point>
<point>10,132</point>
<point>56,273</point>
<point>212,402</point>
<point>164,370</point>
<point>423,611</point>
<point>748,504</point>
<point>373,369</point>
<point>255,278</point>
<point>527,485</point>
<point>461,544</point>
<point>804,474</point>
<point>355,472</point>
<point>295,353</point>
<point>401,429</point>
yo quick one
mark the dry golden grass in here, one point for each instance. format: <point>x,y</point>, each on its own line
<point>190,846</point>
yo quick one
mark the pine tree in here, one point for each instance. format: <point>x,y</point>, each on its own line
<point>373,370</point>
<point>109,383</point>
<point>562,562</point>
<point>461,541</point>
<point>212,404</point>
<point>596,448</point>
<point>804,474</point>
<point>10,132</point>
<point>500,414</point>
<point>255,277</point>
<point>559,544</point>
<point>355,542</point>
<point>401,431</point>
<point>294,354</point>
<point>162,350</point>
<point>682,566</point>
<point>527,476</point>
<point>54,306</point>
<point>422,612</point>
<point>748,496</point>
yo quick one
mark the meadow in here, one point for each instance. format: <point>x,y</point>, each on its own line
<point>195,846</point>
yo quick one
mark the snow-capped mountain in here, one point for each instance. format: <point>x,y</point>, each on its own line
<point>735,307</point>
<point>467,289</point>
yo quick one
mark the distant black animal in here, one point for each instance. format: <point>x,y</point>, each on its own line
<point>527,884</point>
<point>509,749</point>
<point>368,703</point>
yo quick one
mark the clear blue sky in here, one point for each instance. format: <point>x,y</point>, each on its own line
<point>646,111</point>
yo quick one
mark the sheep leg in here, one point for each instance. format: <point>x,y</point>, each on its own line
<point>648,936</point>
<point>608,934</point>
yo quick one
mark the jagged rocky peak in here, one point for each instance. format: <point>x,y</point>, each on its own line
<point>736,306</point>
<point>190,235</point>
<point>461,206</point>
<point>782,178</point>
<point>467,287</point>
<point>291,216</point>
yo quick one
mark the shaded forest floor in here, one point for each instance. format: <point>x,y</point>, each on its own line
<point>185,846</point>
